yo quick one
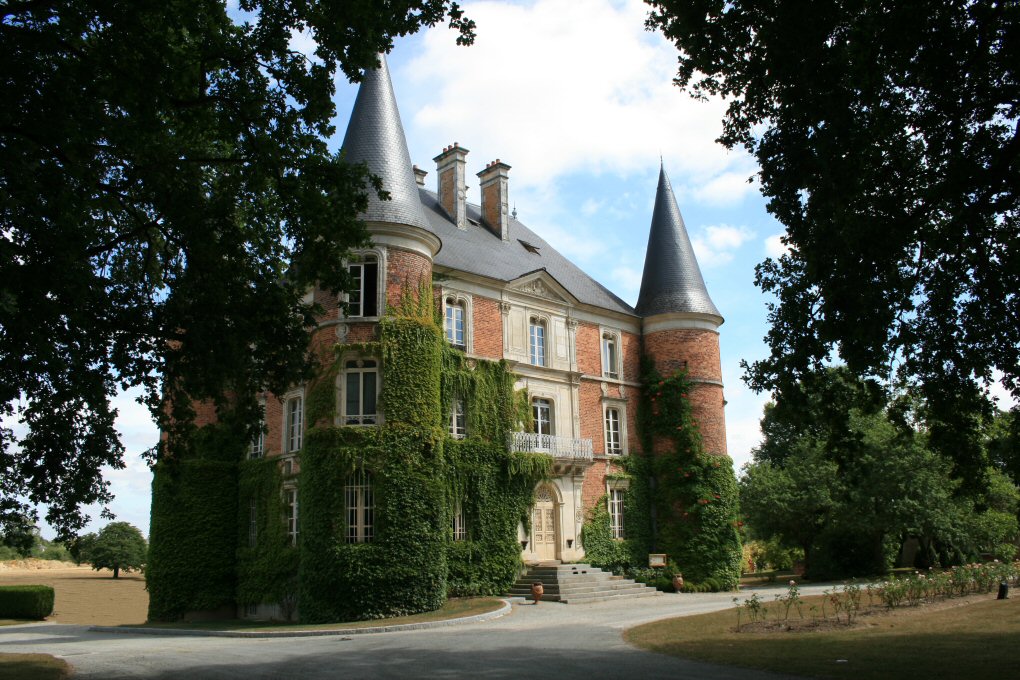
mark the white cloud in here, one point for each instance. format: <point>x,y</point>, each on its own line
<point>774,246</point>
<point>725,189</point>
<point>998,391</point>
<point>627,282</point>
<point>715,244</point>
<point>590,86</point>
<point>591,206</point>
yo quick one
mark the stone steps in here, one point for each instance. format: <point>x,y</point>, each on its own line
<point>576,583</point>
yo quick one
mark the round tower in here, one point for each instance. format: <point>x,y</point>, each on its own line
<point>402,239</point>
<point>680,328</point>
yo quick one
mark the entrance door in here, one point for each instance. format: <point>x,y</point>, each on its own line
<point>543,525</point>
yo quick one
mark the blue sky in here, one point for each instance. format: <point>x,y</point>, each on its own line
<point>578,98</point>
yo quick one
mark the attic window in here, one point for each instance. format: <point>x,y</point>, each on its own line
<point>530,248</point>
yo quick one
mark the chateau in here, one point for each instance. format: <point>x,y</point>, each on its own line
<point>502,299</point>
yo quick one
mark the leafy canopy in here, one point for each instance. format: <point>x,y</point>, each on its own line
<point>166,198</point>
<point>886,134</point>
<point>845,476</point>
<point>119,545</point>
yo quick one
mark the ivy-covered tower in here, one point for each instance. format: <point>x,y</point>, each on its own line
<point>680,321</point>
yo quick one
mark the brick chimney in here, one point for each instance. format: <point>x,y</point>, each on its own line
<point>495,200</point>
<point>451,168</point>
<point>419,175</point>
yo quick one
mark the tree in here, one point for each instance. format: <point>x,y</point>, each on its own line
<point>886,134</point>
<point>167,196</point>
<point>119,545</point>
<point>20,534</point>
<point>847,478</point>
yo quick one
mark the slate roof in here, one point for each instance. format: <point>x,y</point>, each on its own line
<point>476,250</point>
<point>375,136</point>
<point>672,280</point>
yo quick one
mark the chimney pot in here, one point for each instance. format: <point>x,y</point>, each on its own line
<point>495,198</point>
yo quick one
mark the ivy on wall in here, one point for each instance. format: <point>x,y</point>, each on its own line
<point>266,571</point>
<point>692,495</point>
<point>193,532</point>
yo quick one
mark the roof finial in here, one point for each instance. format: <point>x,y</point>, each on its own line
<point>514,213</point>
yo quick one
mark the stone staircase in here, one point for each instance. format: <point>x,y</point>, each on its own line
<point>577,583</point>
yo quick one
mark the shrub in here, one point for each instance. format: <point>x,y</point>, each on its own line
<point>26,602</point>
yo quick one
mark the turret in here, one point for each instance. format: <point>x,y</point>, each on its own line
<point>398,226</point>
<point>680,323</point>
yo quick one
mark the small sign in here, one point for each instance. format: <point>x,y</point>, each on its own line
<point>656,560</point>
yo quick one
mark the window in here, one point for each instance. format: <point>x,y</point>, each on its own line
<point>610,356</point>
<point>613,446</point>
<point>360,507</point>
<point>459,524</point>
<point>616,512</point>
<point>257,447</point>
<point>294,422</point>
<point>458,419</point>
<point>363,296</point>
<point>541,410</point>
<point>360,392</point>
<point>455,323</point>
<point>536,344</point>
<point>291,504</point>
<point>253,525</point>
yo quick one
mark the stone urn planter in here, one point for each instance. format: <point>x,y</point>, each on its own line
<point>537,590</point>
<point>678,582</point>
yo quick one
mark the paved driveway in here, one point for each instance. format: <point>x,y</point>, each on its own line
<point>568,642</point>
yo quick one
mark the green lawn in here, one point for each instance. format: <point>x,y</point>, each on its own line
<point>453,609</point>
<point>33,667</point>
<point>976,640</point>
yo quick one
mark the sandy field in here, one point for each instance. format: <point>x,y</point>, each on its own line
<point>83,595</point>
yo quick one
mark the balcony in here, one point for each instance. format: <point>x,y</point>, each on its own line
<point>569,454</point>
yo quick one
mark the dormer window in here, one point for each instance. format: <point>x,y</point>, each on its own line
<point>536,341</point>
<point>363,295</point>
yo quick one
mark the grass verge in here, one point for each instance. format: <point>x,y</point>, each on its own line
<point>33,667</point>
<point>453,609</point>
<point>974,640</point>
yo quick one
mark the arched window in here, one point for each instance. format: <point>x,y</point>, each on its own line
<point>359,392</point>
<point>536,341</point>
<point>363,295</point>
<point>360,507</point>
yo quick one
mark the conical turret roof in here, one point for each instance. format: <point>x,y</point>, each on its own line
<point>375,136</point>
<point>672,280</point>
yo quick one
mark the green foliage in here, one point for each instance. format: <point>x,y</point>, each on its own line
<point>266,571</point>
<point>886,139</point>
<point>187,204</point>
<point>119,545</point>
<point>19,534</point>
<point>845,476</point>
<point>26,602</point>
<point>694,494</point>
<point>600,548</point>
<point>193,531</point>
<point>495,489</point>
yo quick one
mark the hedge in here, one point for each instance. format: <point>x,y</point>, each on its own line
<point>26,602</point>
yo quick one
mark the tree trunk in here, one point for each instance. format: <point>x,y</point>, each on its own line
<point>116,570</point>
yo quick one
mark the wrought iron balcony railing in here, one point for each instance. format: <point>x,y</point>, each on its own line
<point>557,447</point>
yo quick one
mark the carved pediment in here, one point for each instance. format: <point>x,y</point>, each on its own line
<point>542,286</point>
